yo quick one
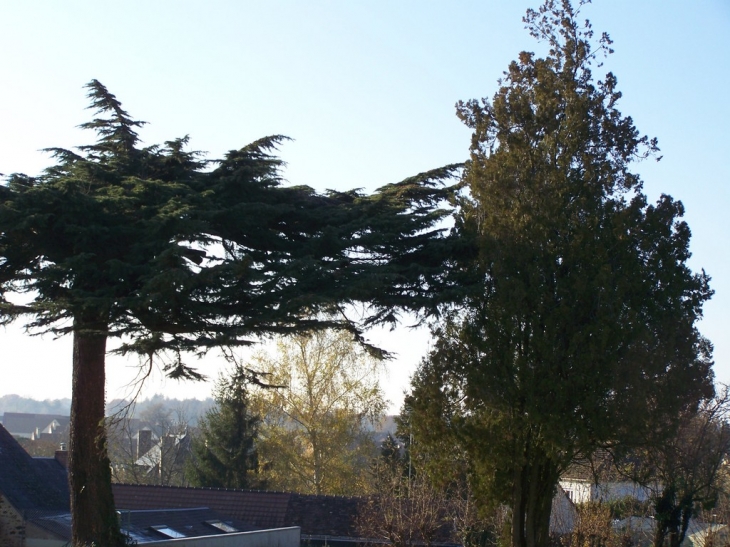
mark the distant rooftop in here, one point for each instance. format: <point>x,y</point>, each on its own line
<point>23,424</point>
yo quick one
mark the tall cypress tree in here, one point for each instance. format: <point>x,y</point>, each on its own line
<point>173,254</point>
<point>580,331</point>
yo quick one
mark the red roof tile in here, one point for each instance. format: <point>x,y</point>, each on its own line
<point>260,509</point>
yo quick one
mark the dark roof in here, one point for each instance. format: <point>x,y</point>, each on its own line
<point>31,484</point>
<point>58,525</point>
<point>22,423</point>
<point>579,471</point>
<point>323,515</point>
<point>259,509</point>
<point>191,522</point>
<point>38,487</point>
<point>316,515</point>
<point>140,525</point>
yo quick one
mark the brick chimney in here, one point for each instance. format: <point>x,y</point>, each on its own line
<point>144,442</point>
<point>62,455</point>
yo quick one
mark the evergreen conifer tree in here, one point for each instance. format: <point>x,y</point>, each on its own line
<point>224,452</point>
<point>580,328</point>
<point>172,254</point>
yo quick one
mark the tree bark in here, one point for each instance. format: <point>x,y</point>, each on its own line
<point>518,507</point>
<point>686,516</point>
<point>93,517</point>
<point>544,477</point>
<point>532,496</point>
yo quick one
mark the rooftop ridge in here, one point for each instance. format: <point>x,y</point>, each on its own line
<point>164,510</point>
<point>223,489</point>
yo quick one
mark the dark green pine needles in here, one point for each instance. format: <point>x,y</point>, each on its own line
<point>173,254</point>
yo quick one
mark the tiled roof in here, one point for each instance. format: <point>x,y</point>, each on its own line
<point>191,522</point>
<point>58,525</point>
<point>323,515</point>
<point>31,484</point>
<point>316,515</point>
<point>139,524</point>
<point>55,480</point>
<point>259,509</point>
<point>38,487</point>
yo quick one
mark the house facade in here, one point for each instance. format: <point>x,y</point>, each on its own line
<point>581,490</point>
<point>599,480</point>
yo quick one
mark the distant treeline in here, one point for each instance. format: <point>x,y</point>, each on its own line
<point>157,406</point>
<point>16,403</point>
<point>191,409</point>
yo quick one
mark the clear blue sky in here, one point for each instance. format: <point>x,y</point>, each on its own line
<point>367,90</point>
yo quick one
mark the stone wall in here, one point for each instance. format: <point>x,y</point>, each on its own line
<point>12,527</point>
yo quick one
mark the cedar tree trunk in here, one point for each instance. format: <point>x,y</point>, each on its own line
<point>93,518</point>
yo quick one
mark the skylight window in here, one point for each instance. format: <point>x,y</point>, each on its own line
<point>168,532</point>
<point>222,526</point>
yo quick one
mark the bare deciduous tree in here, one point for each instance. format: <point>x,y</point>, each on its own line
<point>405,511</point>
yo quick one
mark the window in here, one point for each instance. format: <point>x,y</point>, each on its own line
<point>168,532</point>
<point>222,526</point>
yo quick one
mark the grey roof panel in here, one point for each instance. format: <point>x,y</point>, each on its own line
<point>28,483</point>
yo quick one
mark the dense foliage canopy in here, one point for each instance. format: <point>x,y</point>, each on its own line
<point>317,428</point>
<point>580,331</point>
<point>225,451</point>
<point>172,254</point>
